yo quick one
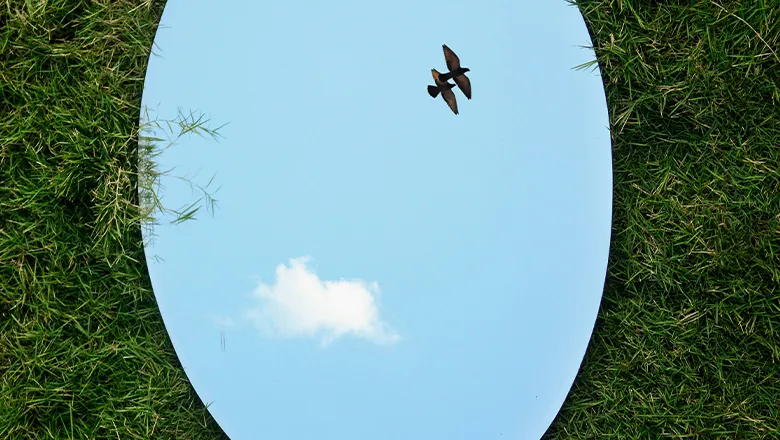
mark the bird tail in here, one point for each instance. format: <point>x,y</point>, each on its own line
<point>433,91</point>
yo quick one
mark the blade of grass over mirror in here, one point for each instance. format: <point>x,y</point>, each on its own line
<point>149,186</point>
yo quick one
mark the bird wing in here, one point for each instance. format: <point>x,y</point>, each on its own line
<point>435,74</point>
<point>449,98</point>
<point>453,62</point>
<point>464,83</point>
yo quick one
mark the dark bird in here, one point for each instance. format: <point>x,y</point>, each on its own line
<point>456,73</point>
<point>445,89</point>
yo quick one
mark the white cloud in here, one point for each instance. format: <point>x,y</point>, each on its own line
<point>299,304</point>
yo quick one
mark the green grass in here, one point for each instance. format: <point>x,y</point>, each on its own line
<point>687,341</point>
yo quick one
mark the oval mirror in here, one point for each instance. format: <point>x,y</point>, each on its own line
<point>375,265</point>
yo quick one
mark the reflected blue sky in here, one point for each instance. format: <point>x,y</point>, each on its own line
<point>380,267</point>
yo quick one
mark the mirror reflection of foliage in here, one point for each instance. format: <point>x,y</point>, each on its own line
<point>150,189</point>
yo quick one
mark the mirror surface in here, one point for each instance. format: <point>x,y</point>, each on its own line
<point>377,266</point>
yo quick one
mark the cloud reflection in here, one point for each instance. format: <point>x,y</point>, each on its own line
<point>299,304</point>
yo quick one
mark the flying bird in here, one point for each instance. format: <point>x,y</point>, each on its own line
<point>445,88</point>
<point>456,73</point>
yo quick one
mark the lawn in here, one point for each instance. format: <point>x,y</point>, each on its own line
<point>686,341</point>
